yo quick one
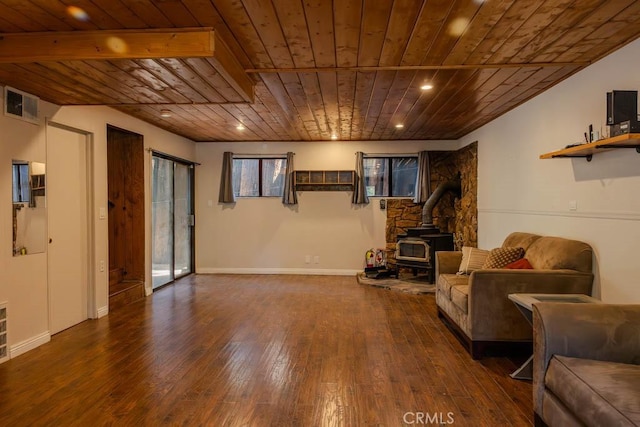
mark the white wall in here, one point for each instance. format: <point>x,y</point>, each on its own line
<point>260,235</point>
<point>519,191</point>
<point>23,280</point>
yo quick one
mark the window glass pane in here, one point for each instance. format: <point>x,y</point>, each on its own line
<point>375,176</point>
<point>273,171</point>
<point>20,182</point>
<point>182,219</point>
<point>245,177</point>
<point>405,172</point>
<point>161,221</point>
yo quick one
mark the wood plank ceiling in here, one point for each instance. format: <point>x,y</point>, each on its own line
<point>349,68</point>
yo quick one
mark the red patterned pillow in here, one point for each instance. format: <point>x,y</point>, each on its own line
<point>521,264</point>
<point>499,257</point>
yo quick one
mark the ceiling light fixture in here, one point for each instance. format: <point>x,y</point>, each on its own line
<point>165,113</point>
<point>399,126</point>
<point>334,136</point>
<point>240,127</point>
<point>426,87</point>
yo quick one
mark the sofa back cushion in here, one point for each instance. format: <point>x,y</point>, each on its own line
<point>520,240</point>
<point>556,253</point>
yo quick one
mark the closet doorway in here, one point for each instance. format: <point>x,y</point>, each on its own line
<point>173,221</point>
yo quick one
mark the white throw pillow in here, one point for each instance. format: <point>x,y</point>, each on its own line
<point>472,259</point>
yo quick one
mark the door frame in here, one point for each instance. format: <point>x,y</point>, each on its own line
<point>192,188</point>
<point>92,303</point>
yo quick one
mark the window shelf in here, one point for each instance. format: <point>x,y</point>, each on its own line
<point>324,180</point>
<point>630,140</point>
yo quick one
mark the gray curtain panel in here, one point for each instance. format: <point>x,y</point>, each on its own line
<point>423,179</point>
<point>289,195</point>
<point>226,180</point>
<point>359,190</point>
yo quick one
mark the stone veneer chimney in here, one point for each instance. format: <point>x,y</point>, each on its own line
<point>451,214</point>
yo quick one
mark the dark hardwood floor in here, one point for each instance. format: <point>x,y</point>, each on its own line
<point>225,350</point>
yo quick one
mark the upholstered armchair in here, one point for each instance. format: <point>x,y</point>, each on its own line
<point>586,364</point>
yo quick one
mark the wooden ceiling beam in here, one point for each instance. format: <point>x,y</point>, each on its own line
<point>107,44</point>
<point>16,48</point>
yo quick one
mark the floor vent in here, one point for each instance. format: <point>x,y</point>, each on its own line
<point>21,105</point>
<point>4,347</point>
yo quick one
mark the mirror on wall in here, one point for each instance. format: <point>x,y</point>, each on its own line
<point>29,207</point>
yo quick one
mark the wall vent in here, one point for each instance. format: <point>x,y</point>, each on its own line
<point>21,105</point>
<point>4,346</point>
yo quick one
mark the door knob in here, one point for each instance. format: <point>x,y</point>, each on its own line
<point>50,240</point>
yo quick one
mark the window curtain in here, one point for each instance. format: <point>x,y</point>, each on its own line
<point>423,178</point>
<point>360,190</point>
<point>289,195</point>
<point>226,180</point>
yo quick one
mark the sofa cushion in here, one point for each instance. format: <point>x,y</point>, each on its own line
<point>556,253</point>
<point>460,297</point>
<point>446,281</point>
<point>520,240</point>
<point>499,257</point>
<point>472,259</point>
<point>599,393</point>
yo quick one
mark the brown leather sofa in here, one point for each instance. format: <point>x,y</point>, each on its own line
<point>586,364</point>
<point>477,305</point>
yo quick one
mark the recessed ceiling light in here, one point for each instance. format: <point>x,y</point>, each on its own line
<point>165,113</point>
<point>399,126</point>
<point>240,127</point>
<point>334,136</point>
<point>78,13</point>
<point>426,87</point>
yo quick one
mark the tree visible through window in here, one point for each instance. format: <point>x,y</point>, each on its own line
<point>259,177</point>
<point>390,176</point>
<point>20,182</point>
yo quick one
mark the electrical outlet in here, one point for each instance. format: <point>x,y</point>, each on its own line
<point>307,259</point>
<point>316,259</point>
<point>573,205</point>
<point>102,267</point>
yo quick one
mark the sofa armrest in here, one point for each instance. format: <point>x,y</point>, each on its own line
<point>590,331</point>
<point>495,317</point>
<point>447,262</point>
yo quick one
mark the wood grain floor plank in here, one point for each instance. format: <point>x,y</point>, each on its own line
<point>262,351</point>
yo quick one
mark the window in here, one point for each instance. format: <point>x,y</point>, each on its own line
<point>390,176</point>
<point>259,177</point>
<point>20,182</point>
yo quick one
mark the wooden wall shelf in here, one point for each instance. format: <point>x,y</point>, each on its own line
<point>630,140</point>
<point>324,180</point>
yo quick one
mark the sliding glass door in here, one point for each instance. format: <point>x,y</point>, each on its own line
<point>172,220</point>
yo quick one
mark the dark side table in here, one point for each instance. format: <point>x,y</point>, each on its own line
<point>525,302</point>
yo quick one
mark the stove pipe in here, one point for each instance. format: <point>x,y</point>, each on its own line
<point>427,210</point>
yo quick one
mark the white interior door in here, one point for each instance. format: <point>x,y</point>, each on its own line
<point>68,231</point>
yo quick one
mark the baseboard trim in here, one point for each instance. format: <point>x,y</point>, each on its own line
<point>103,311</point>
<point>27,345</point>
<point>296,271</point>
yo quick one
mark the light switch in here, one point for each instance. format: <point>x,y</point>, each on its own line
<point>103,213</point>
